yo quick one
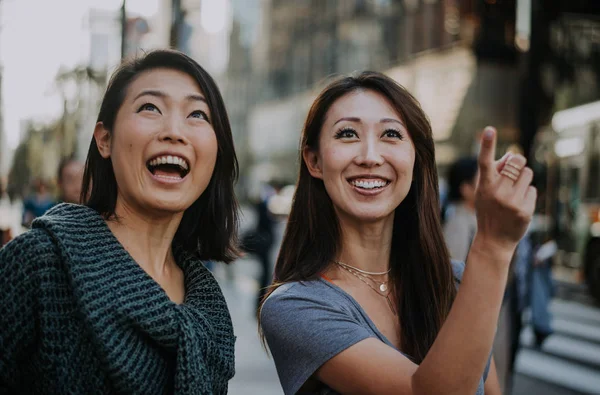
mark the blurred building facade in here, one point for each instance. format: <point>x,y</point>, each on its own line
<point>300,45</point>
<point>467,61</point>
<point>464,60</point>
<point>5,156</point>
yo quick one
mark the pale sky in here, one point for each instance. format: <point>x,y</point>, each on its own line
<point>37,37</point>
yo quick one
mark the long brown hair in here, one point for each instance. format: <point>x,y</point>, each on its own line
<point>419,261</point>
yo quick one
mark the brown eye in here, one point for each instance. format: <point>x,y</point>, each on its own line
<point>148,107</point>
<point>393,133</point>
<point>200,115</point>
<point>345,133</point>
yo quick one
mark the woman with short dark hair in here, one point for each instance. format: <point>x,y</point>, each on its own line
<point>112,296</point>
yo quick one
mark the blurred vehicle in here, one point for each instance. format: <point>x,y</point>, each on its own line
<point>566,157</point>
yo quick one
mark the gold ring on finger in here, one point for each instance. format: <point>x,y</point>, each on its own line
<point>509,175</point>
<point>512,171</point>
<point>513,166</point>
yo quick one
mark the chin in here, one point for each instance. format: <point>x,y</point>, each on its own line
<point>368,215</point>
<point>172,205</point>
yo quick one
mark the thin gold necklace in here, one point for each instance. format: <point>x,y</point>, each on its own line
<point>381,285</point>
<point>364,271</point>
<point>362,278</point>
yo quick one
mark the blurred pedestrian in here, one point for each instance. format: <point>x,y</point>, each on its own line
<point>541,289</point>
<point>365,297</point>
<point>460,222</point>
<point>6,233</point>
<point>112,296</point>
<point>259,240</point>
<point>37,203</point>
<point>70,177</point>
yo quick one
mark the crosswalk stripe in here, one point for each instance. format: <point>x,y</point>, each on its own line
<point>557,371</point>
<point>569,358</point>
<point>577,311</point>
<point>565,347</point>
<point>577,329</point>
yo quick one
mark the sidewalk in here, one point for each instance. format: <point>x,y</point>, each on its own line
<point>255,371</point>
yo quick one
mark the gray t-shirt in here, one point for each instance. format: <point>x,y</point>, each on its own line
<point>307,323</point>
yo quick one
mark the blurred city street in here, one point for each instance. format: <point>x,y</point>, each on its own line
<point>255,370</point>
<point>528,68</point>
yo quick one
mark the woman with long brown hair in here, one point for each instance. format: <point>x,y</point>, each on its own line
<point>366,299</point>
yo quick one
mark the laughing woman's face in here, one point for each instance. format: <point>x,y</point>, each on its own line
<point>163,146</point>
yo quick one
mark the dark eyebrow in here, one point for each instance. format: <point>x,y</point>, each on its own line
<point>350,119</point>
<point>391,120</point>
<point>355,119</point>
<point>162,95</point>
<point>196,98</point>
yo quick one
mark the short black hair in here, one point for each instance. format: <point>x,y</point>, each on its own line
<point>461,171</point>
<point>208,228</point>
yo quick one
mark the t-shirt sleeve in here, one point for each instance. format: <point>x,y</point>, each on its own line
<point>303,331</point>
<point>458,268</point>
<point>457,238</point>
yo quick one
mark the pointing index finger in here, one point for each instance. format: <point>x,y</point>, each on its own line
<point>487,154</point>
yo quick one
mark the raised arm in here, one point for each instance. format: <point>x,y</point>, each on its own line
<point>456,361</point>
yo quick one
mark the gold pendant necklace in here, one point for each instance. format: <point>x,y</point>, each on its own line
<point>383,287</point>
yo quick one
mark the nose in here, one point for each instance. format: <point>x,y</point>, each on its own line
<point>369,155</point>
<point>173,131</point>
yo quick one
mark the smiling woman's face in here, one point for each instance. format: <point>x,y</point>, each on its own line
<point>365,157</point>
<point>163,147</point>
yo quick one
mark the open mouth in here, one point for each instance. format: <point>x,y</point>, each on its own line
<point>369,184</point>
<point>168,166</point>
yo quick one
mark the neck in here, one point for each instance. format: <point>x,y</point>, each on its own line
<point>366,246</point>
<point>146,237</point>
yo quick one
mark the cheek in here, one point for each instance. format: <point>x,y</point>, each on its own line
<point>333,159</point>
<point>405,162</point>
<point>206,147</point>
<point>126,154</point>
<point>408,167</point>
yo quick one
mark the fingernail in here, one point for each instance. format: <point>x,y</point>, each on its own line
<point>488,133</point>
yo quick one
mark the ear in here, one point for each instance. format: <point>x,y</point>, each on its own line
<point>313,162</point>
<point>103,139</point>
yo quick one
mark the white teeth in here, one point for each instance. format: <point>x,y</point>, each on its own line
<point>182,163</point>
<point>169,159</point>
<point>169,177</point>
<point>369,184</point>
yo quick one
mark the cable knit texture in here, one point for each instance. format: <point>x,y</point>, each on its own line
<point>79,316</point>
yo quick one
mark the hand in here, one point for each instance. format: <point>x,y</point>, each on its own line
<point>505,200</point>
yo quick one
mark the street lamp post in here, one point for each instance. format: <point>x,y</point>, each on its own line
<point>123,28</point>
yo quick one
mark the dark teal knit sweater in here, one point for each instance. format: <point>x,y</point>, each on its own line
<point>78,315</point>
